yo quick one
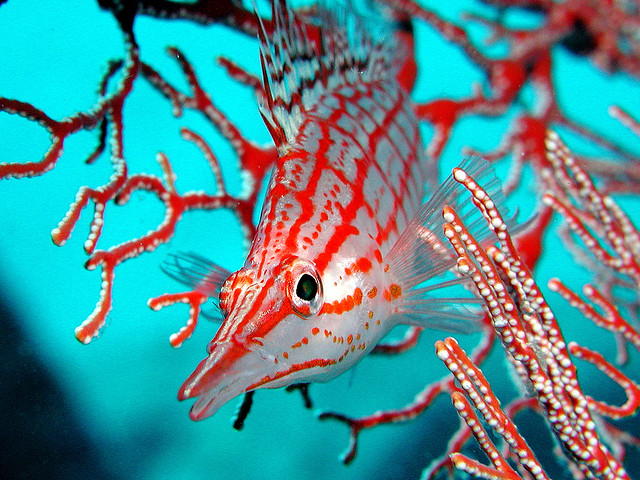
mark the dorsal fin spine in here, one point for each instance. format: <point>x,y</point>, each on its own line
<point>300,61</point>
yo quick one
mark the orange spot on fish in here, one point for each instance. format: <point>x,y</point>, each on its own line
<point>372,293</point>
<point>304,310</point>
<point>315,330</point>
<point>346,304</point>
<point>285,355</point>
<point>305,340</point>
<point>326,308</point>
<point>350,339</point>
<point>378,255</point>
<point>394,292</point>
<point>363,264</point>
<point>357,296</point>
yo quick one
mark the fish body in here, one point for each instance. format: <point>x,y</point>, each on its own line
<point>344,241</point>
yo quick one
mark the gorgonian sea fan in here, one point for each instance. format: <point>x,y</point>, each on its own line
<point>520,87</point>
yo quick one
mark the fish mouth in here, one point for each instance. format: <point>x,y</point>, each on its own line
<point>230,370</point>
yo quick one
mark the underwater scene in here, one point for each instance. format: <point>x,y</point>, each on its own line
<point>143,117</point>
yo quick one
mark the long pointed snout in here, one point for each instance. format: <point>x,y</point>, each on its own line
<point>230,370</point>
<point>212,369</point>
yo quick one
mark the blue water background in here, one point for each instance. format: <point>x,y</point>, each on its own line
<point>121,388</point>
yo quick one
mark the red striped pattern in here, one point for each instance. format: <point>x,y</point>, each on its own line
<point>356,169</point>
<point>350,176</point>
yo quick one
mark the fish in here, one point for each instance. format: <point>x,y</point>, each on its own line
<point>345,248</point>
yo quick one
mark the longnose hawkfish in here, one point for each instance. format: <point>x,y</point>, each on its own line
<point>345,249</point>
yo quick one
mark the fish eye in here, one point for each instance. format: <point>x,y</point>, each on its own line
<point>307,287</point>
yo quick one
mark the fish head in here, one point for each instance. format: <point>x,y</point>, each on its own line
<point>286,324</point>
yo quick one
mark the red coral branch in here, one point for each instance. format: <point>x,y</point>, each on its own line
<point>420,402</point>
<point>175,205</point>
<point>410,340</point>
<point>529,61</point>
<point>254,160</point>
<point>206,12</point>
<point>194,299</point>
<point>478,390</point>
<point>630,387</point>
<point>611,319</point>
<point>604,229</point>
<point>59,131</point>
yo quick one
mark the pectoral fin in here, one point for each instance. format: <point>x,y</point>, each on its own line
<point>196,272</point>
<point>422,260</point>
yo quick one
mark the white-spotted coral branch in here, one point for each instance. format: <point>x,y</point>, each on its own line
<point>533,341</point>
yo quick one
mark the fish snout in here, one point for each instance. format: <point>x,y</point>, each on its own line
<point>230,369</point>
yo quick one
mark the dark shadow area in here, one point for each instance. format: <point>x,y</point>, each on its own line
<point>40,438</point>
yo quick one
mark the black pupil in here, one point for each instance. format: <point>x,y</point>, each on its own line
<point>307,288</point>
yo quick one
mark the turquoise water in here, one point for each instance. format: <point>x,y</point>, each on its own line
<point>120,390</point>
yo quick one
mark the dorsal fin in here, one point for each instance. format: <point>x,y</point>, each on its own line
<point>303,60</point>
